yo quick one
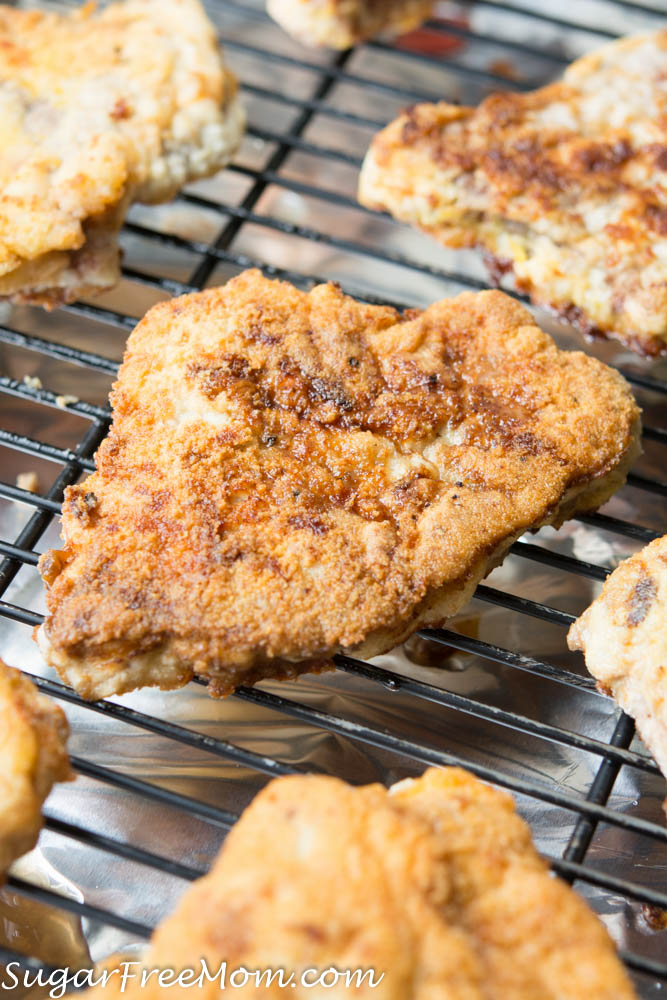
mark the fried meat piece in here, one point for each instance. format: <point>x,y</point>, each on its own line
<point>434,886</point>
<point>97,110</point>
<point>339,24</point>
<point>292,474</point>
<point>566,186</point>
<point>623,636</point>
<point>33,755</point>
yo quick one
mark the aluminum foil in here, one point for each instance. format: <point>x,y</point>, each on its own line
<point>143,894</point>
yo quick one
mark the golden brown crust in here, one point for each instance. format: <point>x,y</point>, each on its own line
<point>623,636</point>
<point>98,109</point>
<point>33,752</point>
<point>291,474</point>
<point>567,185</point>
<point>435,886</point>
<point>339,24</point>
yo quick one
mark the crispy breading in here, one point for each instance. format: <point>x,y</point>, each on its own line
<point>435,886</point>
<point>291,474</point>
<point>98,110</point>
<point>623,635</point>
<point>33,753</point>
<point>339,24</point>
<point>566,185</point>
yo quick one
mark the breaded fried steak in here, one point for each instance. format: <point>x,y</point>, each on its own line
<point>33,755</point>
<point>290,474</point>
<point>433,886</point>
<point>566,185</point>
<point>623,635</point>
<point>340,24</point>
<point>99,109</point>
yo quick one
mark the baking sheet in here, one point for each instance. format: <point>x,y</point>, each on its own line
<point>147,895</point>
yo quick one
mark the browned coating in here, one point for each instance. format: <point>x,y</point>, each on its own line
<point>436,887</point>
<point>566,185</point>
<point>291,474</point>
<point>33,752</point>
<point>99,108</point>
<point>340,24</point>
<point>623,635</point>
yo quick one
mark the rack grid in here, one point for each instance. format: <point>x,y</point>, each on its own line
<point>286,181</point>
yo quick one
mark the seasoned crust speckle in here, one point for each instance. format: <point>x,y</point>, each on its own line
<point>291,474</point>
<point>99,109</point>
<point>623,636</point>
<point>339,24</point>
<point>33,754</point>
<point>566,185</point>
<point>434,885</point>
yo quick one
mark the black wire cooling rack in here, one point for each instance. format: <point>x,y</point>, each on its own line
<point>288,207</point>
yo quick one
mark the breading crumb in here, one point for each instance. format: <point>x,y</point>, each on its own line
<point>32,381</point>
<point>28,481</point>
<point>655,918</point>
<point>64,401</point>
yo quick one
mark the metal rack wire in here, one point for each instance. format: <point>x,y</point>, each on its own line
<point>309,112</point>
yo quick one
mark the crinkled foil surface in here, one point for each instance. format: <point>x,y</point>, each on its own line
<point>140,892</point>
